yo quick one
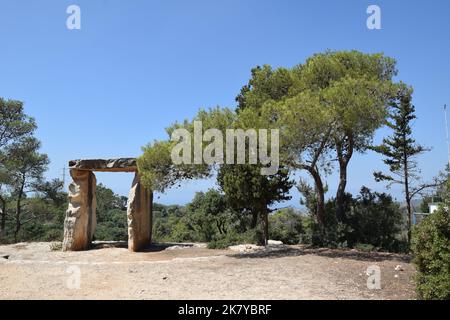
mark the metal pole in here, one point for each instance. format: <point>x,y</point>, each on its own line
<point>446,134</point>
<point>64,177</point>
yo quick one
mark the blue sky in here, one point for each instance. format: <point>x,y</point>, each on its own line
<point>137,66</point>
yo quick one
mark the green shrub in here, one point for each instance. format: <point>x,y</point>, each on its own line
<point>113,226</point>
<point>285,225</point>
<point>333,235</point>
<point>252,236</point>
<point>431,247</point>
<point>372,219</point>
<point>365,247</point>
<point>57,246</point>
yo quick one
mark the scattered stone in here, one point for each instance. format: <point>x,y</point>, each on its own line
<point>275,243</point>
<point>180,246</point>
<point>399,268</point>
<point>396,276</point>
<point>246,248</point>
<point>201,245</point>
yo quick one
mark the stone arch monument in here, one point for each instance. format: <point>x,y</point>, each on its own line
<point>80,221</point>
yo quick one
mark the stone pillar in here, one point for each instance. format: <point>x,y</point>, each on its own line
<point>139,214</point>
<point>80,222</point>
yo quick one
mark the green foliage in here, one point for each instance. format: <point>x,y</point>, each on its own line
<point>265,84</point>
<point>373,220</point>
<point>249,192</point>
<point>251,236</point>
<point>14,124</point>
<point>431,247</point>
<point>208,214</point>
<point>164,220</point>
<point>400,149</point>
<point>158,172</point>
<point>365,247</point>
<point>286,225</point>
<point>207,217</point>
<point>113,226</point>
<point>42,220</point>
<point>326,108</point>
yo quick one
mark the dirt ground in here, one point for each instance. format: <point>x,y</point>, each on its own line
<point>110,271</point>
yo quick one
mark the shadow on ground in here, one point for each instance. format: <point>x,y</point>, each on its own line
<point>154,247</point>
<point>292,251</point>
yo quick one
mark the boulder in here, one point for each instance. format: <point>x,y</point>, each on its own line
<point>275,243</point>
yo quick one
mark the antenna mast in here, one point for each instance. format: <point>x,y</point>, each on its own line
<point>446,134</point>
<point>64,177</point>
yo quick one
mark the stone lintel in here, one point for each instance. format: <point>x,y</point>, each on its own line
<point>105,165</point>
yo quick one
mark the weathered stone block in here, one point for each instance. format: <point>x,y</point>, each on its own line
<point>105,165</point>
<point>139,214</point>
<point>80,222</point>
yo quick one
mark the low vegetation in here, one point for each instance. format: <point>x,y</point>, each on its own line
<point>431,247</point>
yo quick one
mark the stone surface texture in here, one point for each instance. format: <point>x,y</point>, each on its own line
<point>139,214</point>
<point>80,222</point>
<point>105,165</point>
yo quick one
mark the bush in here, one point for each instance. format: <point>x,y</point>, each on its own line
<point>57,246</point>
<point>375,219</point>
<point>431,247</point>
<point>333,235</point>
<point>365,247</point>
<point>232,238</point>
<point>372,219</point>
<point>286,225</point>
<point>113,226</point>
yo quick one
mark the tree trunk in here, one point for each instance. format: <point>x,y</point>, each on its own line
<point>265,223</point>
<point>320,193</point>
<point>407,195</point>
<point>340,194</point>
<point>19,209</point>
<point>3,218</point>
<point>219,227</point>
<point>344,152</point>
<point>254,220</point>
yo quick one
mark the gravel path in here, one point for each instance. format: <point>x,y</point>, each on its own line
<point>34,271</point>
